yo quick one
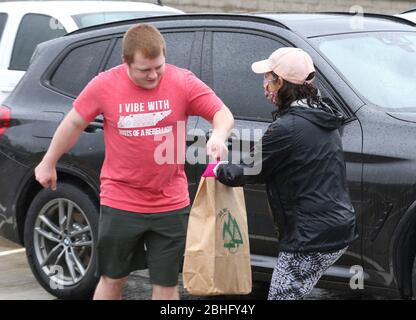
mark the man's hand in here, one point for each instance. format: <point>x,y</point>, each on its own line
<point>64,138</point>
<point>45,174</point>
<point>216,147</point>
<point>222,124</point>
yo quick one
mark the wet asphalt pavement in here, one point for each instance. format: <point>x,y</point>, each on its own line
<point>18,283</point>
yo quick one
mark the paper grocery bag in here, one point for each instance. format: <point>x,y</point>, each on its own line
<point>217,253</point>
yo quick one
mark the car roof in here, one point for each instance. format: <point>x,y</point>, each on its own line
<point>304,24</point>
<point>79,7</point>
<point>329,23</point>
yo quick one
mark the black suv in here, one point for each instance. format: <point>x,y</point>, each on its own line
<point>365,69</point>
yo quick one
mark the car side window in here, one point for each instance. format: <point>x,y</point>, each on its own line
<point>178,49</point>
<point>33,29</point>
<point>233,80</point>
<point>115,58</point>
<point>3,20</point>
<point>180,57</point>
<point>330,98</point>
<point>78,67</point>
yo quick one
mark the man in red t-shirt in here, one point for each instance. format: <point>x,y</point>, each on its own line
<point>144,196</point>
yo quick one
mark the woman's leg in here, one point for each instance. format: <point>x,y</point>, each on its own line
<point>296,273</point>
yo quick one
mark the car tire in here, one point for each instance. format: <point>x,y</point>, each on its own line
<point>60,236</point>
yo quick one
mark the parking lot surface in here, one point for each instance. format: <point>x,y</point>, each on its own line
<point>18,283</point>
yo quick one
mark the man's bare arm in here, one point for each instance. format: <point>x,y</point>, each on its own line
<point>65,137</point>
<point>222,123</point>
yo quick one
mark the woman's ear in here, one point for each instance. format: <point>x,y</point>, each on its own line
<point>279,83</point>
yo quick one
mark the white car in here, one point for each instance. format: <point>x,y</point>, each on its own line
<point>23,25</point>
<point>409,15</point>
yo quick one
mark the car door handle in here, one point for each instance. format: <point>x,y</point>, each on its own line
<point>94,127</point>
<point>230,141</point>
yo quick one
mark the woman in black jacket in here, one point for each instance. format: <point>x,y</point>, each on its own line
<point>300,159</point>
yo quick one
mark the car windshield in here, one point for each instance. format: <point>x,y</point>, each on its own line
<point>91,19</point>
<point>381,66</point>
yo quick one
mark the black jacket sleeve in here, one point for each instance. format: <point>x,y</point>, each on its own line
<point>268,155</point>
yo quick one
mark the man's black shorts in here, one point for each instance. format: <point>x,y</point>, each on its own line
<point>129,241</point>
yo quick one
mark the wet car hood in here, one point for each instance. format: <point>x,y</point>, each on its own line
<point>404,116</point>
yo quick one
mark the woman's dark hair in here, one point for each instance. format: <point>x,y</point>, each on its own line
<point>290,92</point>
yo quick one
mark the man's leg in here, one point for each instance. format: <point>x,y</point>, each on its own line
<point>165,293</point>
<point>120,249</point>
<point>109,289</point>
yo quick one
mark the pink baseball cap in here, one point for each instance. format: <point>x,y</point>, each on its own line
<point>291,64</point>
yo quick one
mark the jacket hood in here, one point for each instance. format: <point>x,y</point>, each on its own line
<point>321,115</point>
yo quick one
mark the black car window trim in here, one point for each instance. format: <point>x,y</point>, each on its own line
<point>17,33</point>
<point>51,69</point>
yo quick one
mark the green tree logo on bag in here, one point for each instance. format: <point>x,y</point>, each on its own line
<point>231,234</point>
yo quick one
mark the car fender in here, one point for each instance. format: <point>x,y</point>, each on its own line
<point>30,187</point>
<point>404,249</point>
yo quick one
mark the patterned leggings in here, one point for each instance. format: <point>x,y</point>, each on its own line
<point>296,273</point>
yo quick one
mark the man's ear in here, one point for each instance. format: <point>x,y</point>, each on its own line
<point>123,58</point>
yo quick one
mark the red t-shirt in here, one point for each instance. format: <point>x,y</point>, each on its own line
<point>139,124</point>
